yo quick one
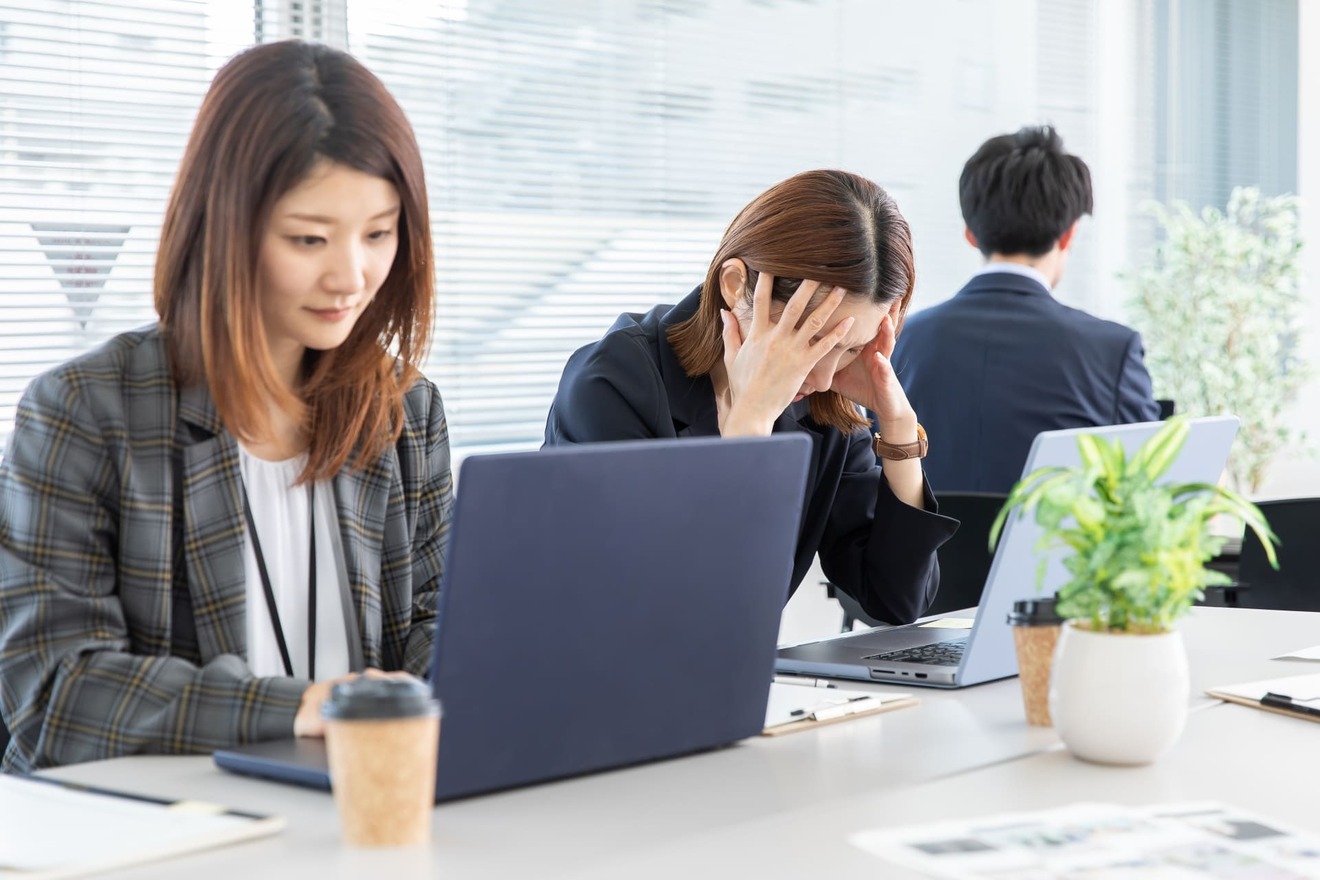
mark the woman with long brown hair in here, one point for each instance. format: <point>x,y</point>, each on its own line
<point>206,522</point>
<point>790,331</point>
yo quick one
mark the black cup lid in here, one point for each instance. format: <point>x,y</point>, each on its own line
<point>372,698</point>
<point>1034,612</point>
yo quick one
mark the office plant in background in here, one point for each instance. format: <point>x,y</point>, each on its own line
<point>1219,312</point>
<point>1135,552</point>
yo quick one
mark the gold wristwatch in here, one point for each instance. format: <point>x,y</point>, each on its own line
<point>900,451</point>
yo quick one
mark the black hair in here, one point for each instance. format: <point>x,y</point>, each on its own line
<point>1020,192</point>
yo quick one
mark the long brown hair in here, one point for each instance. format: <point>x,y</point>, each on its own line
<point>830,226</point>
<point>271,114</point>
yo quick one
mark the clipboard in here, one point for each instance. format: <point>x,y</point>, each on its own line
<point>1297,696</point>
<point>51,829</point>
<point>794,707</point>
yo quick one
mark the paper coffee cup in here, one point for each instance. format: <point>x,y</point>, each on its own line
<point>381,735</point>
<point>1035,633</point>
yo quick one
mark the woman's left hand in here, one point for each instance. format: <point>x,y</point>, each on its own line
<point>870,381</point>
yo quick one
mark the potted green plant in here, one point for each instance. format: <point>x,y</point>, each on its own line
<point>1135,551</point>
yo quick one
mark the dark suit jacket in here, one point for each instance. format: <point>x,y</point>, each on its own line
<point>1004,360</point>
<point>122,586</point>
<point>630,386</point>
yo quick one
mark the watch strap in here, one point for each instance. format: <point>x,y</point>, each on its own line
<point>901,451</point>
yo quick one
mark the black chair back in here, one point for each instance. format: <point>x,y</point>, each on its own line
<point>964,559</point>
<point>1296,585</point>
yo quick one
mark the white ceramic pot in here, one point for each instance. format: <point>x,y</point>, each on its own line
<point>1117,698</point>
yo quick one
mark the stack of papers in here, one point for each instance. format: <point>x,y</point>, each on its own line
<point>1186,841</point>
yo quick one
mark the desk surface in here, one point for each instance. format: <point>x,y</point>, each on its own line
<point>780,806</point>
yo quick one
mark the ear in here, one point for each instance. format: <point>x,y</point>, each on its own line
<point>733,282</point>
<point>1066,239</point>
<point>971,239</point>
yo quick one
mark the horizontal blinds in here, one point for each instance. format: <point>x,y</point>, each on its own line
<point>584,156</point>
<point>96,101</point>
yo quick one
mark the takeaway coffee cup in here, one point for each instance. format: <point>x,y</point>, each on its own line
<point>1035,632</point>
<point>381,735</point>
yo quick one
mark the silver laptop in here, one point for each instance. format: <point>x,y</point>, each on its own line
<point>937,657</point>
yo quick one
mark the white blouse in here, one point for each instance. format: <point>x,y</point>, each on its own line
<point>279,510</point>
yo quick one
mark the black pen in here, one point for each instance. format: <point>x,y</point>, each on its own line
<point>1285,702</point>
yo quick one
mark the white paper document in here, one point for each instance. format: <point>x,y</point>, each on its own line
<point>1302,688</point>
<point>792,702</point>
<point>1301,654</point>
<point>1092,841</point>
<point>49,830</point>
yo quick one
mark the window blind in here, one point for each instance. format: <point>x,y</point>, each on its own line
<point>96,101</point>
<point>583,156</point>
<point>1226,79</point>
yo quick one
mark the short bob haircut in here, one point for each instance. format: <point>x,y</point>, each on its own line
<point>829,226</point>
<point>272,113</point>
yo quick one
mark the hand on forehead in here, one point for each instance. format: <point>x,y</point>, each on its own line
<point>865,313</point>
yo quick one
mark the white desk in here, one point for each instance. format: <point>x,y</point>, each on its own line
<point>782,806</point>
<point>1245,757</point>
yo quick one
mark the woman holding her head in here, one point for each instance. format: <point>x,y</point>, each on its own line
<point>204,523</point>
<point>791,331</point>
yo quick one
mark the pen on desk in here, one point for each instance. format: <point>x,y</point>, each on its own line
<point>126,795</point>
<point>804,681</point>
<point>852,707</point>
<point>1286,703</point>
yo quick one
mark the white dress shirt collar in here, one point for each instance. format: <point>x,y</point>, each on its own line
<point>1016,269</point>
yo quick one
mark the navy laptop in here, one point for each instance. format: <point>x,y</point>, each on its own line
<point>603,605</point>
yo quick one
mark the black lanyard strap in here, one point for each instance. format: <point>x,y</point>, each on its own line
<point>270,592</point>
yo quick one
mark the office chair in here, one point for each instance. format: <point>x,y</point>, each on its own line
<point>1294,586</point>
<point>964,558</point>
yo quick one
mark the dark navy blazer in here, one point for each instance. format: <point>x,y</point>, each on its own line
<point>630,386</point>
<point>1004,360</point>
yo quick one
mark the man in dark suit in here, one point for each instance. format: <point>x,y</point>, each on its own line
<point>1003,360</point>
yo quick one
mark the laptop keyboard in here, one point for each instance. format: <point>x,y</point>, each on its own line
<point>939,654</point>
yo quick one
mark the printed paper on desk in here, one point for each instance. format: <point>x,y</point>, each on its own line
<point>1302,654</point>
<point>1207,840</point>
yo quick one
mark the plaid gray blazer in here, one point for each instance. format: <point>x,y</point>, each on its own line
<point>122,588</point>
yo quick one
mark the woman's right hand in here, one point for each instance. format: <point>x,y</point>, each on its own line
<point>308,721</point>
<point>767,366</point>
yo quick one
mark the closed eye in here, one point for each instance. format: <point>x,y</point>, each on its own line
<point>380,234</point>
<point>307,240</point>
